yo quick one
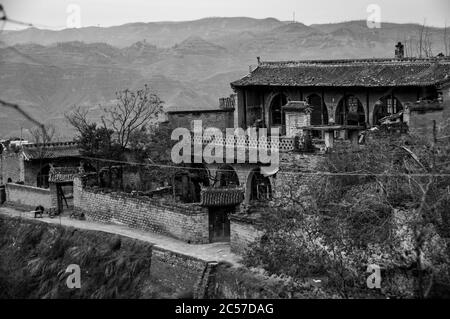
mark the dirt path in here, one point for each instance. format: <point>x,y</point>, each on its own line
<point>207,252</point>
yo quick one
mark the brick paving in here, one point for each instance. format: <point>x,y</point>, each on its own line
<point>207,252</point>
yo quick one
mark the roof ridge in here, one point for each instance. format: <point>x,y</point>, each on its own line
<point>344,61</point>
<point>50,144</point>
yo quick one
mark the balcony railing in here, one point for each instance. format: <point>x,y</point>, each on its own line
<point>284,143</point>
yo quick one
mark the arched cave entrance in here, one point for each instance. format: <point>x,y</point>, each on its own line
<point>276,113</point>
<point>387,105</point>
<point>350,111</point>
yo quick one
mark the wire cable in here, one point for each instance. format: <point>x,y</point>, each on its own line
<point>288,172</point>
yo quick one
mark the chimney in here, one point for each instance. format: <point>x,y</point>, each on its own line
<point>399,51</point>
<point>259,60</point>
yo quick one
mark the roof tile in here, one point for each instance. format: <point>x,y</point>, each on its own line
<point>367,73</point>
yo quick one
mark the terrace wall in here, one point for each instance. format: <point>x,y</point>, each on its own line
<point>188,222</point>
<point>29,197</point>
<point>243,232</point>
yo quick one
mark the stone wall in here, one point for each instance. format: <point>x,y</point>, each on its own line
<point>29,196</point>
<point>243,231</point>
<point>290,178</point>
<point>176,271</point>
<point>188,222</point>
<point>11,167</point>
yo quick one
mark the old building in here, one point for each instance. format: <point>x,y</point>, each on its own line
<point>220,116</point>
<point>30,163</point>
<point>343,92</point>
<point>327,101</point>
<point>40,174</point>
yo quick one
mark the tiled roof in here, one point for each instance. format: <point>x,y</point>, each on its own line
<point>63,174</point>
<point>194,108</point>
<point>51,150</point>
<point>221,196</point>
<point>344,73</point>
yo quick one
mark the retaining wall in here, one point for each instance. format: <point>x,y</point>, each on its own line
<point>29,196</point>
<point>188,222</point>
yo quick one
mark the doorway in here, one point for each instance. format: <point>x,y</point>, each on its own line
<point>64,195</point>
<point>276,112</point>
<point>219,224</point>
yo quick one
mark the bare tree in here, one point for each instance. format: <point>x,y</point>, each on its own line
<point>421,39</point>
<point>134,110</point>
<point>78,119</point>
<point>42,136</point>
<point>428,46</point>
<point>423,46</point>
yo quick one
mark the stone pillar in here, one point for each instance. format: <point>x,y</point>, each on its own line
<point>329,139</point>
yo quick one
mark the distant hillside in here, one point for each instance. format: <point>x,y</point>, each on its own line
<point>189,64</point>
<point>162,34</point>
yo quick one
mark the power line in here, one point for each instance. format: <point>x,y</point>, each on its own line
<point>295,173</point>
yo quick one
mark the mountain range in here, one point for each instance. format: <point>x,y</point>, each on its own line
<point>188,64</point>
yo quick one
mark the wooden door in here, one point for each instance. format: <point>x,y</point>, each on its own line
<point>219,224</point>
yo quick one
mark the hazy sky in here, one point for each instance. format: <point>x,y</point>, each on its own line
<point>53,13</point>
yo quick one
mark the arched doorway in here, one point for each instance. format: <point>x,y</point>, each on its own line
<point>226,177</point>
<point>42,177</point>
<point>386,106</point>
<point>276,114</point>
<point>319,114</point>
<point>350,111</point>
<point>259,188</point>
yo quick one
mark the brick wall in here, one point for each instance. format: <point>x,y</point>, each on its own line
<point>188,222</point>
<point>243,232</point>
<point>11,167</point>
<point>29,196</point>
